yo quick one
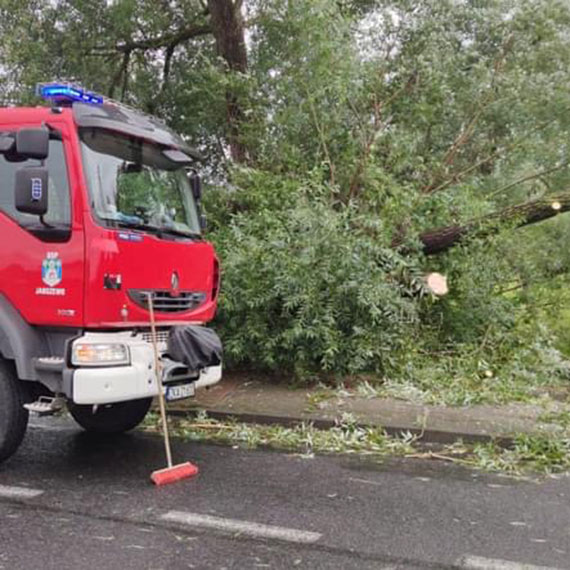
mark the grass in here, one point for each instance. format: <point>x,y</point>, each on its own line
<point>543,454</point>
<point>316,400</point>
<point>561,419</point>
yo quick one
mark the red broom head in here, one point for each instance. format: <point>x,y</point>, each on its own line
<point>174,473</point>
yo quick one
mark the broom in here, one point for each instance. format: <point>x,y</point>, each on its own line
<point>172,473</point>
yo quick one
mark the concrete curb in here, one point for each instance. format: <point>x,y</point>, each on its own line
<point>255,401</point>
<point>425,435</point>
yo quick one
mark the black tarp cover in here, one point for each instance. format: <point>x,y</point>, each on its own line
<point>195,346</point>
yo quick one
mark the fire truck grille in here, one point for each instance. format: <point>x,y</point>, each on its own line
<point>164,302</point>
<point>161,336</point>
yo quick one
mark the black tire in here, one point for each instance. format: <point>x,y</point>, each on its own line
<point>13,415</point>
<point>111,418</point>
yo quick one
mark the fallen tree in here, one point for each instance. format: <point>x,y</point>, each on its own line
<point>441,239</point>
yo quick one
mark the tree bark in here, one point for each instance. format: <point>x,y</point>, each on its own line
<point>441,239</point>
<point>228,29</point>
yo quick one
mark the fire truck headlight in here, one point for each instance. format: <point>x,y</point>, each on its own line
<point>100,354</point>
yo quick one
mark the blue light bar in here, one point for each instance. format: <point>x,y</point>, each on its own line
<point>65,94</point>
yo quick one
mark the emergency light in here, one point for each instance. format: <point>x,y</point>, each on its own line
<point>64,93</point>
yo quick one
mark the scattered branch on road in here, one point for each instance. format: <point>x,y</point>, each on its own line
<point>528,454</point>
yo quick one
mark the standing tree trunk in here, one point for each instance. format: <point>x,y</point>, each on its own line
<point>228,28</point>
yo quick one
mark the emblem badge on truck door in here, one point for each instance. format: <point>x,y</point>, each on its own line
<point>51,269</point>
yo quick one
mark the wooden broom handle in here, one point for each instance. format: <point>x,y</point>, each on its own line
<point>158,368</point>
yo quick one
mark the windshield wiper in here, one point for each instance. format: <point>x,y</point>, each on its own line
<point>159,232</point>
<point>181,233</point>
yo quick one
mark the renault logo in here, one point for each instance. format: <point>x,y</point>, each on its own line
<point>175,285</point>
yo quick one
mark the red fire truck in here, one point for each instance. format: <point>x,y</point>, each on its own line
<point>99,216</point>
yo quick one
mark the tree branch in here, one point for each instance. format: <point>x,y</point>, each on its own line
<point>158,42</point>
<point>461,174</point>
<point>377,127</point>
<point>167,64</point>
<point>528,177</point>
<point>121,72</point>
<point>322,137</point>
<point>466,133</point>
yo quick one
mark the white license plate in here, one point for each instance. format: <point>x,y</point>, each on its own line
<point>180,391</point>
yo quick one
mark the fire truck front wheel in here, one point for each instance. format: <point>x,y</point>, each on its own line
<point>110,418</point>
<point>13,415</point>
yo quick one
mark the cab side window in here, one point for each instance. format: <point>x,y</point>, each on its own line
<point>59,210</point>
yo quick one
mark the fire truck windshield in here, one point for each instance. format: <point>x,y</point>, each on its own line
<point>132,183</point>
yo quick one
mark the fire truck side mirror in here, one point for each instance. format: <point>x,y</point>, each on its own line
<point>33,143</point>
<point>195,184</point>
<point>31,190</point>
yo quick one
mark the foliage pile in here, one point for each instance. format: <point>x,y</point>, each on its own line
<point>529,454</point>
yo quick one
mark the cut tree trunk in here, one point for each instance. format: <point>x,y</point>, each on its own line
<point>442,239</point>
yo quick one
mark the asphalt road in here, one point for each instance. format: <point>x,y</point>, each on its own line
<point>70,501</point>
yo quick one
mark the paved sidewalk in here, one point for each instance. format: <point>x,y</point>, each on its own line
<point>254,401</point>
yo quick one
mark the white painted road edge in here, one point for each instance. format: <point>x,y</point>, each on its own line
<point>18,492</point>
<point>241,527</point>
<point>480,563</point>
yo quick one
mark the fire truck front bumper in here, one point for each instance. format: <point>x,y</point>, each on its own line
<point>117,367</point>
